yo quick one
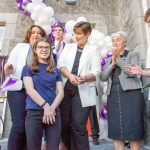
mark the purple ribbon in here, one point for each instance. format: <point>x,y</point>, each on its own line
<point>9,81</point>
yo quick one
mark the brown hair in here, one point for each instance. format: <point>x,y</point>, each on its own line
<point>33,65</point>
<point>29,31</point>
<point>147,14</point>
<point>84,26</point>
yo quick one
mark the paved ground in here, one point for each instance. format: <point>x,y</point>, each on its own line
<point>104,145</point>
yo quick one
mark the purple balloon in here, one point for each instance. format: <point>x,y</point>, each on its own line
<point>103,62</point>
<point>18,1</point>
<point>25,2</point>
<point>51,37</point>
<point>103,113</point>
<point>19,6</point>
<point>109,54</point>
<point>26,13</point>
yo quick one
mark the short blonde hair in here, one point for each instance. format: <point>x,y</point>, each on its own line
<point>121,34</point>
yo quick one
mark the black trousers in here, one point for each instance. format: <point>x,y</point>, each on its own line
<point>94,123</point>
<point>74,119</point>
<point>35,127</point>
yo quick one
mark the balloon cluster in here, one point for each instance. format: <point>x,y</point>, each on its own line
<point>21,6</point>
<point>41,14</point>
<point>70,24</point>
<point>103,112</point>
<point>103,60</point>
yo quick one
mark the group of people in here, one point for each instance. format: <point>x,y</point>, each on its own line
<point>59,91</point>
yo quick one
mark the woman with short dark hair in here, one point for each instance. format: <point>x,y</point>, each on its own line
<point>79,65</point>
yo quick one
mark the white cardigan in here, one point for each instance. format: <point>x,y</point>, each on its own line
<point>17,58</point>
<point>89,63</point>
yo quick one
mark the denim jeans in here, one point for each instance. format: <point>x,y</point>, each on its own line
<point>17,136</point>
<point>35,127</point>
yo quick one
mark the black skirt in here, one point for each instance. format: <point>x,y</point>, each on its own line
<point>125,112</point>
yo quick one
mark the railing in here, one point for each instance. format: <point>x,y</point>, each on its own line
<point>2,115</point>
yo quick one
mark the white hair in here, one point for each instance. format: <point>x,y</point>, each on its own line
<point>121,34</point>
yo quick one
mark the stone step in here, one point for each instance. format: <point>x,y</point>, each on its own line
<point>104,145</point>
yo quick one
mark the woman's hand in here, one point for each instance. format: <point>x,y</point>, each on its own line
<point>82,79</point>
<point>136,70</point>
<point>49,114</point>
<point>8,69</point>
<point>115,55</point>
<point>74,79</point>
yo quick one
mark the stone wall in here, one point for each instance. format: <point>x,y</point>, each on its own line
<point>103,13</point>
<point>131,17</point>
<point>16,25</point>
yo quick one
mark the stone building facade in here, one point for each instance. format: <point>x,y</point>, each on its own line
<point>108,16</point>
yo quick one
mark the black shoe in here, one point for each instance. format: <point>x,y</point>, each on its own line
<point>127,144</point>
<point>95,141</point>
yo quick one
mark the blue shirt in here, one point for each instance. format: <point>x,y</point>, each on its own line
<point>44,83</point>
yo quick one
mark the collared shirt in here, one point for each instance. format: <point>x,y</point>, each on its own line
<point>58,53</point>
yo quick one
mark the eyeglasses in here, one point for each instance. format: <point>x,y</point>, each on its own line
<point>43,47</point>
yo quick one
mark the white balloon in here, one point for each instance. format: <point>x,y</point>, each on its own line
<point>30,7</point>
<point>37,23</point>
<point>68,38</point>
<point>95,37</point>
<point>48,11</point>
<point>47,29</point>
<point>81,19</point>
<point>43,20</point>
<point>69,26</point>
<point>101,43</point>
<point>108,40</point>
<point>103,53</point>
<point>38,9</point>
<point>52,21</point>
<point>36,1</point>
<point>34,16</point>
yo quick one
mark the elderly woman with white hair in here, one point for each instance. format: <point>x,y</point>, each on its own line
<point>125,98</point>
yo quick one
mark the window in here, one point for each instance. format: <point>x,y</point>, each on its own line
<point>2,33</point>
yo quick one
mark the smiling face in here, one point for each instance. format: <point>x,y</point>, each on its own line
<point>80,37</point>
<point>43,51</point>
<point>35,34</point>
